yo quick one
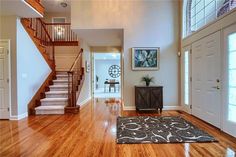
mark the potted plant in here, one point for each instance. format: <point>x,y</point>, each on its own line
<point>147,80</point>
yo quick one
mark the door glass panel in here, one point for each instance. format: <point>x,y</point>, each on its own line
<point>232,95</point>
<point>232,56</point>
<point>232,42</point>
<point>186,77</point>
<point>232,111</point>
<point>232,77</point>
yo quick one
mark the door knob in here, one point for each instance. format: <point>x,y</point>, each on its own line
<point>216,87</point>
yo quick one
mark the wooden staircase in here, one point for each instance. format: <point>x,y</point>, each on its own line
<point>59,93</point>
<point>56,98</point>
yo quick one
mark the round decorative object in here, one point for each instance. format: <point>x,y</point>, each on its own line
<point>114,71</point>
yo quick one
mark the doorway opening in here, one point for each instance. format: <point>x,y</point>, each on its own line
<point>106,75</point>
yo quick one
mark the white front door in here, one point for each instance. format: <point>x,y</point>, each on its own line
<point>206,73</point>
<point>197,79</point>
<point>4,80</point>
<point>229,86</point>
<point>186,79</point>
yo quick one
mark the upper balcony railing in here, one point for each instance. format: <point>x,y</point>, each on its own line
<point>62,33</point>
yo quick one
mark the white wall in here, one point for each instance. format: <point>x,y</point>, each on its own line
<point>32,69</point>
<point>145,24</point>
<point>85,94</point>
<point>102,67</point>
<point>65,57</point>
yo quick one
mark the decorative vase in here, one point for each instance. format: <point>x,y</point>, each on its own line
<point>147,84</point>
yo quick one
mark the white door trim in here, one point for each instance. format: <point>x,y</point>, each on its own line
<point>61,17</point>
<point>9,73</point>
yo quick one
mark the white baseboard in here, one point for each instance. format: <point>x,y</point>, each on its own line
<point>84,102</point>
<point>179,108</point>
<point>131,108</point>
<point>19,117</point>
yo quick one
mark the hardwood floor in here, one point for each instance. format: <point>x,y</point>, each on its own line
<point>92,132</point>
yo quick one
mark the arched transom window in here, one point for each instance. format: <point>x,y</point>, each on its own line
<point>198,13</point>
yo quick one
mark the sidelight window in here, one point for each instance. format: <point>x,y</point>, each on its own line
<point>232,78</point>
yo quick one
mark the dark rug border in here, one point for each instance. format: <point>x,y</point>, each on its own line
<point>215,141</point>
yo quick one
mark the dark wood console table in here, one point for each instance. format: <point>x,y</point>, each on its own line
<point>149,98</point>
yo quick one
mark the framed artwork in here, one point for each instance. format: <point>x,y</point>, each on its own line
<point>145,58</point>
<point>87,66</point>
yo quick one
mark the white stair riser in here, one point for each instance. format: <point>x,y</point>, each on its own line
<point>58,88</point>
<point>61,73</point>
<point>56,95</point>
<point>55,111</point>
<point>56,103</point>
<point>62,77</point>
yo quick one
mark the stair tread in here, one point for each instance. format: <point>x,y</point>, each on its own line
<point>59,85</point>
<point>49,107</point>
<point>53,99</point>
<point>62,75</point>
<point>61,72</point>
<point>65,80</point>
<point>56,92</point>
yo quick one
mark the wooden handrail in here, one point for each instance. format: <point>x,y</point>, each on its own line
<point>43,25</point>
<point>75,79</point>
<point>76,59</point>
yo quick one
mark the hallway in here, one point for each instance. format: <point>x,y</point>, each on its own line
<point>92,132</point>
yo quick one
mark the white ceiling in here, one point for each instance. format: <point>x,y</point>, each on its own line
<point>17,7</point>
<point>101,37</point>
<point>54,6</point>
